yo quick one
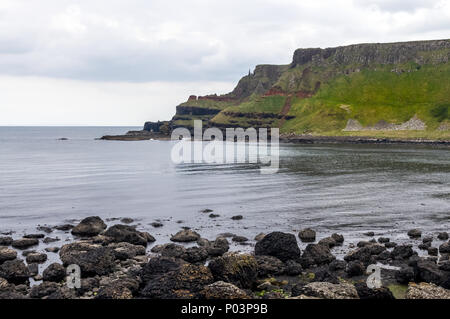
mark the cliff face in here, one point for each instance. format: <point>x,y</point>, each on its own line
<point>323,90</point>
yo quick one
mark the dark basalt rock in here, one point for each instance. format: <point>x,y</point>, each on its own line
<point>89,227</point>
<point>415,233</point>
<point>187,281</point>
<point>337,265</point>
<point>428,271</point>
<point>159,265</point>
<point>54,272</point>
<point>7,254</point>
<point>366,254</point>
<point>307,235</point>
<point>281,245</point>
<point>124,250</point>
<point>445,248</point>
<point>316,254</point>
<point>64,227</point>
<point>402,252</point>
<point>128,234</point>
<point>365,292</point>
<point>355,268</point>
<point>123,288</point>
<point>51,290</point>
<point>269,266</point>
<point>37,236</point>
<point>170,250</point>
<point>33,269</point>
<point>405,275</point>
<point>390,245</point>
<point>223,290</point>
<point>293,268</point>
<point>237,217</point>
<point>329,242</point>
<point>238,269</point>
<point>36,258</point>
<point>6,241</point>
<point>92,259</point>
<point>383,240</point>
<point>323,274</point>
<point>185,236</point>
<point>24,243</point>
<point>195,255</point>
<point>15,271</point>
<point>218,247</point>
<point>338,238</point>
<point>239,239</point>
<point>443,236</point>
<point>433,251</point>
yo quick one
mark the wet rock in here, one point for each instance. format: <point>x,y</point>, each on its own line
<point>365,292</point>
<point>52,249</point>
<point>218,247</point>
<point>316,254</point>
<point>426,291</point>
<point>170,250</point>
<point>237,217</point>
<point>89,284</point>
<point>307,235</point>
<point>14,271</point>
<point>424,246</point>
<point>260,236</point>
<point>124,233</point>
<point>157,224</point>
<point>124,250</point>
<point>390,245</point>
<point>338,238</point>
<point>207,211</point>
<point>195,255</point>
<point>415,233</point>
<point>159,265</point>
<point>185,235</point>
<point>445,248</point>
<point>185,282</point>
<point>36,258</point>
<point>281,245</point>
<point>428,271</point>
<point>89,227</point>
<point>443,236</point>
<point>24,243</point>
<point>49,240</point>
<point>355,268</point>
<point>385,255</point>
<point>6,241</point>
<point>37,236</point>
<point>323,274</point>
<point>328,290</point>
<point>123,288</point>
<point>239,239</point>
<point>369,234</point>
<point>223,290</point>
<point>7,254</point>
<point>402,252</point>
<point>433,251</point>
<point>366,254</point>
<point>269,266</point>
<point>214,215</point>
<point>427,239</point>
<point>238,269</point>
<point>293,268</point>
<point>51,290</point>
<point>54,272</point>
<point>383,240</point>
<point>444,265</point>
<point>363,243</point>
<point>127,220</point>
<point>33,269</point>
<point>328,242</point>
<point>92,259</point>
<point>45,229</point>
<point>405,275</point>
<point>64,227</point>
<point>337,265</point>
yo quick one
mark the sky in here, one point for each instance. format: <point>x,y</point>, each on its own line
<point>124,62</point>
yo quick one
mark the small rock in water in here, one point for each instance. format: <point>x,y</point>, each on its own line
<point>45,229</point>
<point>36,258</point>
<point>445,248</point>
<point>328,241</point>
<point>260,236</point>
<point>52,249</point>
<point>157,224</point>
<point>428,239</point>
<point>239,239</point>
<point>65,227</point>
<point>207,210</point>
<point>390,244</point>
<point>214,215</point>
<point>39,236</point>
<point>185,235</point>
<point>127,220</point>
<point>48,240</point>
<point>89,227</point>
<point>383,240</point>
<point>369,234</point>
<point>237,217</point>
<point>443,236</point>
<point>338,238</point>
<point>424,246</point>
<point>415,233</point>
<point>5,241</point>
<point>307,235</point>
<point>433,251</point>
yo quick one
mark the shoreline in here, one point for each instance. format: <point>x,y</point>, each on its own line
<point>293,139</point>
<point>122,262</point>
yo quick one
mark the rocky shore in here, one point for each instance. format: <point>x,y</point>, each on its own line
<point>123,261</point>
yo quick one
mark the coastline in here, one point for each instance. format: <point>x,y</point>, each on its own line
<point>125,261</point>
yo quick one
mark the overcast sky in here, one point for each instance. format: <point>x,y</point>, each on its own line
<point>122,62</point>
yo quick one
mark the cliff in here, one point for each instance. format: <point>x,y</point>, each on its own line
<point>380,89</point>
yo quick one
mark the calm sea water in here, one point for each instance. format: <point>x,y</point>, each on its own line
<point>349,189</point>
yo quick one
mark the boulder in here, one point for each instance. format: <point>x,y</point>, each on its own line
<point>7,254</point>
<point>445,248</point>
<point>238,269</point>
<point>402,252</point>
<point>159,265</point>
<point>316,254</point>
<point>426,291</point>
<point>433,251</point>
<point>355,268</point>
<point>54,272</point>
<point>128,234</point>
<point>195,255</point>
<point>15,271</point>
<point>185,235</point>
<point>124,250</point>
<point>239,239</point>
<point>405,275</point>
<point>218,247</point>
<point>329,242</point>
<point>93,259</point>
<point>89,227</point>
<point>383,240</point>
<point>36,258</point>
<point>269,266</point>
<point>443,236</point>
<point>281,245</point>
<point>51,290</point>
<point>25,243</point>
<point>307,235</point>
<point>6,241</point>
<point>415,233</point>
<point>185,282</point>
<point>338,238</point>
<point>366,254</point>
<point>328,290</point>
<point>223,290</point>
<point>428,271</point>
<point>364,292</point>
<point>237,217</point>
<point>123,288</point>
